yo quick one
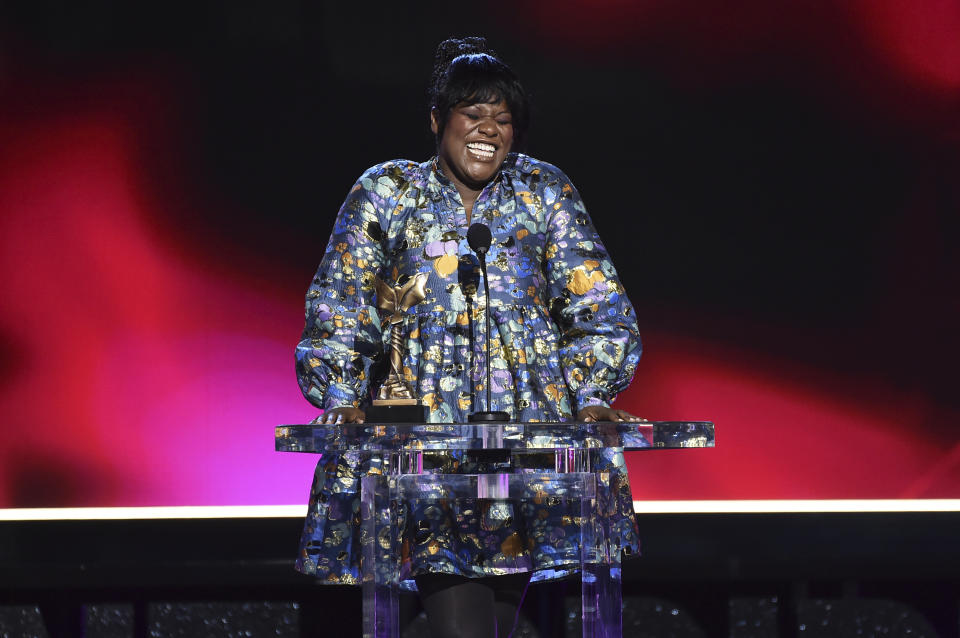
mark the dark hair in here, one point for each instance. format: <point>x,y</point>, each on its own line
<point>467,70</point>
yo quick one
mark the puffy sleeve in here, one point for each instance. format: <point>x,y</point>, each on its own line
<point>342,339</point>
<point>599,343</point>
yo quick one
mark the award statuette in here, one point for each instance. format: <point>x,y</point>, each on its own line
<point>396,402</point>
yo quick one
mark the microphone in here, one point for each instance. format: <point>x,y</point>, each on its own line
<point>479,238</point>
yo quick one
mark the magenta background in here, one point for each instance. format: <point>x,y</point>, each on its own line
<point>143,367</point>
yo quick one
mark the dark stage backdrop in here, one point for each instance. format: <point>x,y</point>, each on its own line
<point>778,184</point>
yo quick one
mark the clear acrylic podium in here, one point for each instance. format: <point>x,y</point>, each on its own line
<point>574,448</point>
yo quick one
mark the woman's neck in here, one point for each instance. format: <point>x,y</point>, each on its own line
<point>468,193</point>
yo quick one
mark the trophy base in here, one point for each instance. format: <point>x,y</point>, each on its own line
<point>389,402</point>
<point>396,411</point>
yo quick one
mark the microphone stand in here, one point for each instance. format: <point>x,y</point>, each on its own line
<point>488,416</point>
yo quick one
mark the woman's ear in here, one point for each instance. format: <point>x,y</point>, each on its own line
<point>434,124</point>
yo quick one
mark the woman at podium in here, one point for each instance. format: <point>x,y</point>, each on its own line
<point>564,342</point>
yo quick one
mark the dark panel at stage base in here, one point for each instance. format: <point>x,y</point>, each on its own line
<point>742,576</point>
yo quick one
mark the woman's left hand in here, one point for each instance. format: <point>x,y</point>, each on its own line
<point>600,413</point>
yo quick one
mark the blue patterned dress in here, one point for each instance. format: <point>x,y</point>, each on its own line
<point>564,337</point>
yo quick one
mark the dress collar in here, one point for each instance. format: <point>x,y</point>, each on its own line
<point>439,177</point>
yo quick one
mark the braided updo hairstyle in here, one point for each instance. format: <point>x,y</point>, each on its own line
<point>467,70</point>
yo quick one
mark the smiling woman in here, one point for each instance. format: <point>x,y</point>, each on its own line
<point>566,344</point>
<point>474,144</point>
<point>478,110</point>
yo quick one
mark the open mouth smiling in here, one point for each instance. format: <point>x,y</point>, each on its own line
<point>482,150</point>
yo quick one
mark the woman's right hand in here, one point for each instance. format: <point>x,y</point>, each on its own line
<point>342,415</point>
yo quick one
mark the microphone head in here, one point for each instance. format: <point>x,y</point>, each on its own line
<point>479,238</point>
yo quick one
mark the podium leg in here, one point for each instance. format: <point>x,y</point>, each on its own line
<point>600,569</point>
<point>380,564</point>
<point>599,554</point>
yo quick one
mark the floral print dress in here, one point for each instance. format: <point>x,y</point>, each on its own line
<point>564,337</point>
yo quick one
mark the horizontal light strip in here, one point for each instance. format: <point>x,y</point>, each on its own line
<point>135,513</point>
<point>798,506</point>
<point>641,507</point>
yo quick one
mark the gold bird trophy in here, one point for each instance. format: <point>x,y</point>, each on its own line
<point>396,402</point>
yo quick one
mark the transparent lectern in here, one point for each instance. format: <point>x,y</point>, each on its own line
<point>574,448</point>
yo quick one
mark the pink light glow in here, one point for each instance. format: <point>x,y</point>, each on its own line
<point>136,379</point>
<point>132,375</point>
<point>782,437</point>
<point>918,39</point>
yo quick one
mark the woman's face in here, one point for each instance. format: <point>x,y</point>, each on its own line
<point>475,142</point>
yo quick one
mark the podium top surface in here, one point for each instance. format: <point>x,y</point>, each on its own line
<point>643,435</point>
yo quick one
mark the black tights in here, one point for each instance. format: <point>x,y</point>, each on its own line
<point>460,607</point>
